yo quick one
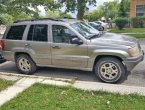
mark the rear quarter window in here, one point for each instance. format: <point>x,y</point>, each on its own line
<point>16,32</point>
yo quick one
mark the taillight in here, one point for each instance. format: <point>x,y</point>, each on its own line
<point>2,44</point>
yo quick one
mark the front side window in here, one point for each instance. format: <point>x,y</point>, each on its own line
<point>16,32</point>
<point>62,34</point>
<point>38,33</point>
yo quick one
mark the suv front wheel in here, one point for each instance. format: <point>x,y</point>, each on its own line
<point>25,64</point>
<point>110,70</point>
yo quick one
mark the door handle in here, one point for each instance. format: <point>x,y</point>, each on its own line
<point>27,45</point>
<point>56,47</point>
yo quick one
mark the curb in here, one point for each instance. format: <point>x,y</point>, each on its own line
<point>112,88</point>
<point>71,81</point>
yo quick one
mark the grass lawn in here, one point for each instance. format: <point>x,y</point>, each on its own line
<point>4,84</point>
<point>44,97</point>
<point>127,30</point>
<point>137,35</point>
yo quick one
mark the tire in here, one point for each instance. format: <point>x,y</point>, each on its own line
<point>25,64</point>
<point>101,28</point>
<point>110,70</point>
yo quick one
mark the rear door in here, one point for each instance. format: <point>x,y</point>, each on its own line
<point>37,44</point>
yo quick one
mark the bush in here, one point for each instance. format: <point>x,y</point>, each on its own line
<point>138,22</point>
<point>121,22</point>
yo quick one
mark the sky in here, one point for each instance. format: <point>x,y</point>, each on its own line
<point>91,8</point>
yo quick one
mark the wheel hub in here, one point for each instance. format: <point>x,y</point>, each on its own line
<point>24,64</point>
<point>109,70</point>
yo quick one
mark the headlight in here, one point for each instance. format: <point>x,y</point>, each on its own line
<point>134,52</point>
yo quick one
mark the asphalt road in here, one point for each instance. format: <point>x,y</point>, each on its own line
<point>135,78</point>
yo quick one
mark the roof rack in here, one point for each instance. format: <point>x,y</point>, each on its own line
<point>52,19</point>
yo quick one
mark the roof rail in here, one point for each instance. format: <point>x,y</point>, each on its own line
<point>20,21</point>
<point>53,19</point>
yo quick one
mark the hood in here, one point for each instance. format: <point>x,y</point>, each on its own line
<point>115,39</point>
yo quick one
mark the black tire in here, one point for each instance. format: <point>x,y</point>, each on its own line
<point>101,28</point>
<point>116,70</point>
<point>30,70</point>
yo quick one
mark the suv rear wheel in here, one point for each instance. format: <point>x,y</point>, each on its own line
<point>25,64</point>
<point>110,70</point>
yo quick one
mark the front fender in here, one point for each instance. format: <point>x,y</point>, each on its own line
<point>106,52</point>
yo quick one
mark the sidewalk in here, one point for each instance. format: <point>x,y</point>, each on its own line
<point>25,82</point>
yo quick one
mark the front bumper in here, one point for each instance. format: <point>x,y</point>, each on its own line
<point>131,63</point>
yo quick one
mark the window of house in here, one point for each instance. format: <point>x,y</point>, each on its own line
<point>140,10</point>
<point>38,33</point>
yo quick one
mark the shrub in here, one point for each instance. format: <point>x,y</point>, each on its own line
<point>137,22</point>
<point>121,22</point>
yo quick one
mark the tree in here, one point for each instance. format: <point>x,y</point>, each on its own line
<point>56,14</point>
<point>78,5</point>
<point>12,10</point>
<point>95,15</point>
<point>108,10</point>
<point>123,9</point>
<point>4,17</point>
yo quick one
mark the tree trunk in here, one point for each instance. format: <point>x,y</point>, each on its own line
<point>81,9</point>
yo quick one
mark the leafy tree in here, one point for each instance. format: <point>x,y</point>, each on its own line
<point>78,5</point>
<point>23,9</point>
<point>108,10</point>
<point>56,14</point>
<point>65,15</point>
<point>4,17</point>
<point>124,8</point>
<point>95,15</point>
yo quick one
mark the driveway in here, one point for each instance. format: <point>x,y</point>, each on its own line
<point>135,78</point>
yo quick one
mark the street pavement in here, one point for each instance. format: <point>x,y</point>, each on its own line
<point>135,78</point>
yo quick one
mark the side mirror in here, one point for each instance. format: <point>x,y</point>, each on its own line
<point>76,41</point>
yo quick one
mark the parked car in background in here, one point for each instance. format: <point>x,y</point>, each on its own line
<point>99,27</point>
<point>70,44</point>
<point>103,24</point>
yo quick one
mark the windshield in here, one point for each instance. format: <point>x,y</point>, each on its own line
<point>85,30</point>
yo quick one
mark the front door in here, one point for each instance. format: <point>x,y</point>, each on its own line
<point>65,54</point>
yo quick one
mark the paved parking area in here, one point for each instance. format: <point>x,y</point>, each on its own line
<point>135,78</point>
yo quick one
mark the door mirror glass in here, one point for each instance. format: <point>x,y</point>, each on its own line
<point>76,41</point>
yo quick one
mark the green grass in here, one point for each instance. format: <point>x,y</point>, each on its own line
<point>44,97</point>
<point>4,84</point>
<point>137,35</point>
<point>127,30</point>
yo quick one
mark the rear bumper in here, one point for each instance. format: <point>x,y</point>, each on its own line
<point>131,63</point>
<point>2,59</point>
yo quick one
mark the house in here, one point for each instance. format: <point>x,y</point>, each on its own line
<point>137,8</point>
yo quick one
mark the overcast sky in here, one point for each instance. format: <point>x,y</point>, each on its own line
<point>91,8</point>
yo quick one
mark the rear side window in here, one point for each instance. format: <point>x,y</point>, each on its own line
<point>38,33</point>
<point>16,32</point>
